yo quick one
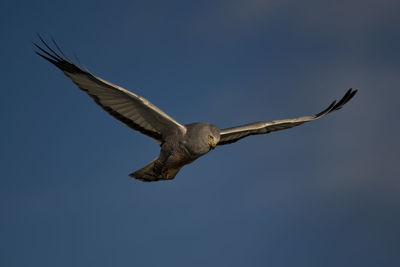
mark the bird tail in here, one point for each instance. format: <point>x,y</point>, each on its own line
<point>149,173</point>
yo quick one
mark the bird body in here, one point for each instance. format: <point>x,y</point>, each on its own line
<point>179,150</point>
<point>180,144</point>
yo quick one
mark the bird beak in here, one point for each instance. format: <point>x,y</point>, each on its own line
<point>213,145</point>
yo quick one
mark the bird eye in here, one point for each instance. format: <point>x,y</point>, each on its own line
<point>210,137</point>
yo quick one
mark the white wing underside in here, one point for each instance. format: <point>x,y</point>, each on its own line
<point>134,111</point>
<point>141,115</point>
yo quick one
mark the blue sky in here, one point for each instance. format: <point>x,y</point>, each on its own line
<point>322,194</point>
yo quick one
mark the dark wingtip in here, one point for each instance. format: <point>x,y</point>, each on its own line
<point>346,98</point>
<point>80,63</point>
<point>353,93</point>
<point>327,110</point>
<point>338,105</point>
<point>51,49</point>
<point>38,35</point>
<point>47,58</point>
<point>59,49</point>
<point>60,61</point>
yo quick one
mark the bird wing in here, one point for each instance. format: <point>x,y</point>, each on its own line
<point>234,134</point>
<point>134,111</point>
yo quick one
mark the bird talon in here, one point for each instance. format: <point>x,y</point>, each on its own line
<point>167,173</point>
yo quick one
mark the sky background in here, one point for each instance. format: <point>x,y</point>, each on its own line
<point>326,193</point>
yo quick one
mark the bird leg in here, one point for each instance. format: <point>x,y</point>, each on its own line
<point>167,173</point>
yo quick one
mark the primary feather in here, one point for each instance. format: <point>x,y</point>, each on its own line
<point>234,134</point>
<point>180,144</point>
<point>135,111</point>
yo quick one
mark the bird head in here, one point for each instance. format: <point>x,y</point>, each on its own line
<point>201,137</point>
<point>213,136</point>
<point>212,141</point>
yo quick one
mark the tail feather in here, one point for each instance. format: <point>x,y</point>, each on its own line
<point>148,173</point>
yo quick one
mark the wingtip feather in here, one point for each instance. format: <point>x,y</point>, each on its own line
<point>51,49</point>
<point>336,105</point>
<point>327,110</point>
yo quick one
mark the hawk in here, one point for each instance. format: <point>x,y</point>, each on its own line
<point>180,144</point>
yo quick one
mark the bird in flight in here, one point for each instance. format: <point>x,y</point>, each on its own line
<point>180,144</point>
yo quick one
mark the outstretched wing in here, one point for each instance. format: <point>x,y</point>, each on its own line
<point>127,107</point>
<point>234,134</point>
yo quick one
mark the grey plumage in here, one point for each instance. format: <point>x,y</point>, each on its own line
<point>234,134</point>
<point>180,144</point>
